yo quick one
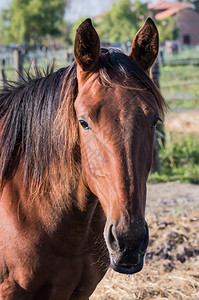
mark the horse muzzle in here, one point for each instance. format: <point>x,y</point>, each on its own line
<point>127,269</point>
<point>127,249</point>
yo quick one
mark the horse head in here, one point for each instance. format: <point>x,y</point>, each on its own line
<point>117,110</point>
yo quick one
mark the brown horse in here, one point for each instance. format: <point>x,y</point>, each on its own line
<point>75,152</point>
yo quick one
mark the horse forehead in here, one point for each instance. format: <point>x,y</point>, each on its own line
<point>97,97</point>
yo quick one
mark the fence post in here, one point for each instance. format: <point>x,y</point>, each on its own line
<point>18,63</point>
<point>2,72</point>
<point>155,72</point>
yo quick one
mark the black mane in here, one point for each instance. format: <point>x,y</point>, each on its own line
<point>27,112</point>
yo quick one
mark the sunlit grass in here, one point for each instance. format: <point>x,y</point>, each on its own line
<point>179,85</point>
<point>179,161</point>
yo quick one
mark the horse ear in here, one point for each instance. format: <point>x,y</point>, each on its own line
<point>145,45</point>
<point>87,46</point>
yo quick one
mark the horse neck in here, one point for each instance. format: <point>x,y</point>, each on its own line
<point>49,211</point>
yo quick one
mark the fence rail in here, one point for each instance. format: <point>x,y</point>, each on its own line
<point>179,78</point>
<point>183,62</point>
<point>13,62</point>
<point>179,82</point>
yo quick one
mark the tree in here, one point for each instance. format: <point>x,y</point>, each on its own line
<point>27,21</point>
<point>122,22</point>
<point>196,4</point>
<point>167,29</point>
<point>117,24</point>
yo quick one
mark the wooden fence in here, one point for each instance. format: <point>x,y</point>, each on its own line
<point>180,85</point>
<point>178,77</point>
<point>13,62</point>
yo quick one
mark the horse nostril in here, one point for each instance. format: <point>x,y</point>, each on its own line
<point>115,241</point>
<point>112,239</point>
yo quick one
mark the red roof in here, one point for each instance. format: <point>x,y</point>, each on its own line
<point>166,8</point>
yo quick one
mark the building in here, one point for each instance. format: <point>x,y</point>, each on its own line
<point>187,19</point>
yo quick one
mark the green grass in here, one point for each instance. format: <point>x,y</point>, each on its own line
<point>179,85</point>
<point>179,161</point>
<point>179,78</point>
<point>187,53</point>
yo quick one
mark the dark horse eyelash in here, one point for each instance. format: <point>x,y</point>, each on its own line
<point>155,121</point>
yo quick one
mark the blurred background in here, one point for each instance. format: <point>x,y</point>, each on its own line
<point>37,32</point>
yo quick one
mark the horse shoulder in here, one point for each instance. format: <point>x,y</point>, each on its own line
<point>34,255</point>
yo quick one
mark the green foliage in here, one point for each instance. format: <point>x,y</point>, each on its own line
<point>65,37</point>
<point>31,20</point>
<point>179,161</point>
<point>195,3</point>
<point>167,29</point>
<point>122,22</point>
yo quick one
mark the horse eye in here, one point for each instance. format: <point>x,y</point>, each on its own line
<point>84,124</point>
<point>155,122</point>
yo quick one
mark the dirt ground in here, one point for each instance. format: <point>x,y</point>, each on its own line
<point>171,269</point>
<point>183,122</point>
